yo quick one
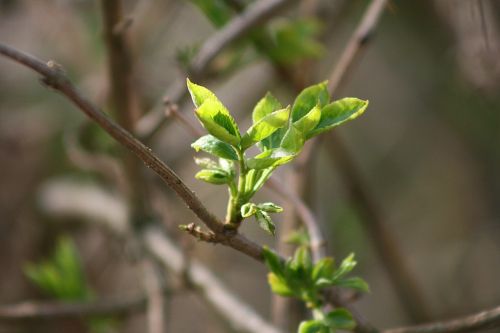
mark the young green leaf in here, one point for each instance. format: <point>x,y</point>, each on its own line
<point>227,165</point>
<point>323,269</point>
<point>200,94</point>
<point>279,286</point>
<point>337,113</point>
<point>210,144</point>
<point>302,259</point>
<point>270,207</point>
<point>293,141</point>
<point>309,121</point>
<point>355,283</point>
<point>299,238</point>
<point>273,262</point>
<point>339,319</point>
<point>216,177</point>
<point>309,98</point>
<point>265,221</point>
<point>248,209</point>
<point>264,127</point>
<point>206,163</point>
<point>270,158</point>
<point>346,266</point>
<point>267,105</point>
<point>313,326</point>
<point>218,122</point>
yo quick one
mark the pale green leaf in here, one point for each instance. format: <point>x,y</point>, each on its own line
<point>248,209</point>
<point>216,177</point>
<point>273,261</point>
<point>270,207</point>
<point>309,121</point>
<point>218,122</point>
<point>264,127</point>
<point>199,94</point>
<point>279,286</point>
<point>312,326</point>
<point>345,267</point>
<point>293,141</point>
<point>212,145</point>
<point>337,113</point>
<point>324,268</point>
<point>309,98</point>
<point>270,158</point>
<point>267,105</point>
<point>265,221</point>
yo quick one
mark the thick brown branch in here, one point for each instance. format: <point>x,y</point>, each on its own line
<point>478,321</point>
<point>54,77</point>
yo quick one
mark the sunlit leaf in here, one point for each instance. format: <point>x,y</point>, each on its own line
<point>265,221</point>
<point>212,145</point>
<point>218,122</point>
<point>309,98</point>
<point>339,319</point>
<point>264,127</point>
<point>216,177</point>
<point>337,113</point>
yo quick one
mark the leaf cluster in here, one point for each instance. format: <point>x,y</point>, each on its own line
<point>279,134</point>
<point>61,276</point>
<point>298,277</point>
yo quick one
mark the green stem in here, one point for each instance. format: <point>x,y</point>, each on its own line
<point>236,200</point>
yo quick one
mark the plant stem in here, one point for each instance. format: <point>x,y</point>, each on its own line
<point>233,216</point>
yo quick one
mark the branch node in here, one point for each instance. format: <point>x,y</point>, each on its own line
<point>195,231</point>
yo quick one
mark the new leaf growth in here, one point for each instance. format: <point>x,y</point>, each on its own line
<point>279,133</point>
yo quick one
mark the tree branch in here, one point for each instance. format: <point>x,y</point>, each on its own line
<point>56,310</point>
<point>256,14</point>
<point>481,320</point>
<point>54,77</point>
<point>157,246</point>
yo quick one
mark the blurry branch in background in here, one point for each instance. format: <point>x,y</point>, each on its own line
<point>477,38</point>
<point>54,77</point>
<point>255,14</point>
<point>64,199</point>
<point>59,309</point>
<point>472,323</point>
<point>385,243</point>
<point>122,97</point>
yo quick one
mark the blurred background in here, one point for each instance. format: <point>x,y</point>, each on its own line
<point>427,152</point>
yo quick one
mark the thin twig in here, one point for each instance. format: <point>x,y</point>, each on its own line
<point>238,27</point>
<point>471,323</point>
<point>386,245</point>
<point>54,77</point>
<point>56,310</point>
<point>356,44</point>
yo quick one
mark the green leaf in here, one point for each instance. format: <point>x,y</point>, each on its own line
<point>248,209</point>
<point>199,94</point>
<point>279,286</point>
<point>293,141</point>
<point>215,10</point>
<point>299,238</point>
<point>346,266</point>
<point>339,319</point>
<point>218,122</point>
<point>205,163</point>
<point>309,98</point>
<point>265,221</point>
<point>337,113</point>
<point>355,283</point>
<point>264,127</point>
<point>294,40</point>
<point>267,105</point>
<point>270,158</point>
<point>212,176</point>
<point>302,259</point>
<point>270,207</point>
<point>312,326</point>
<point>210,144</point>
<point>273,261</point>
<point>324,268</point>
<point>309,121</point>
